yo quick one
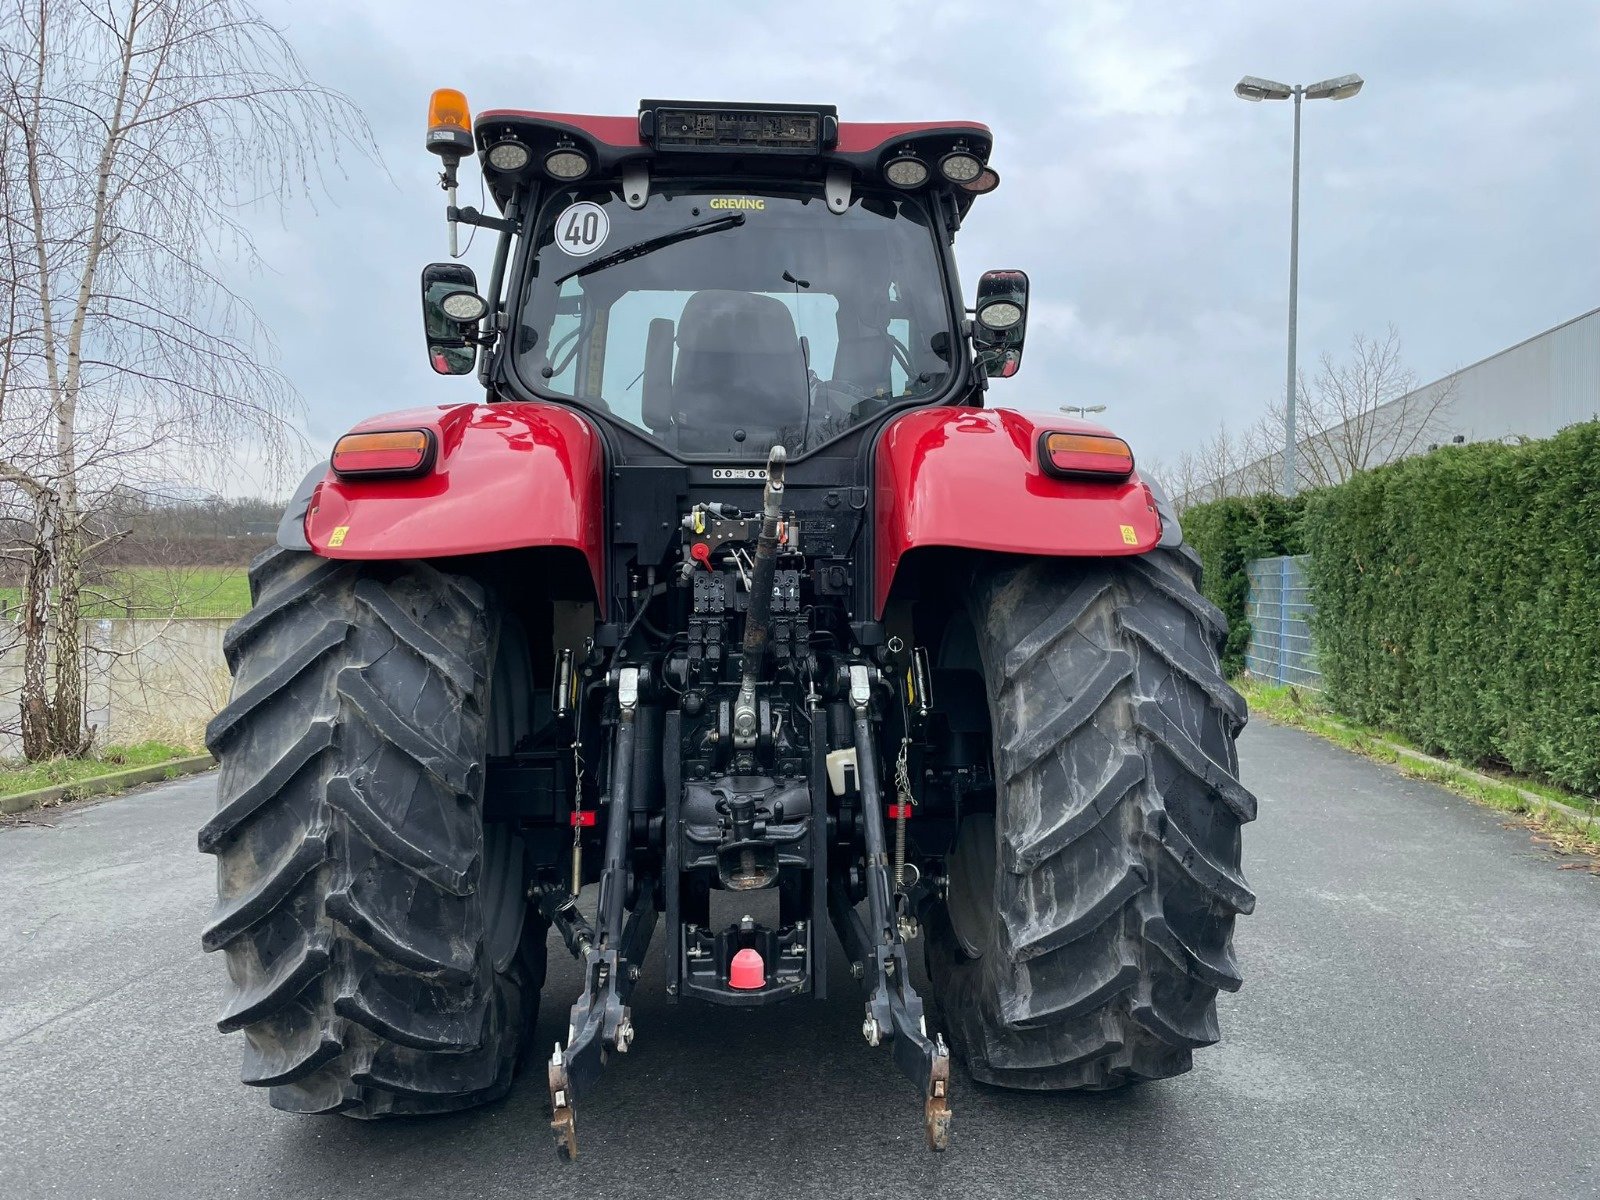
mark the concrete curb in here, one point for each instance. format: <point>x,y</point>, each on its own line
<point>1534,799</point>
<point>101,784</point>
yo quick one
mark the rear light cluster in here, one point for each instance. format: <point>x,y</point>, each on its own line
<point>1085,456</point>
<point>392,452</point>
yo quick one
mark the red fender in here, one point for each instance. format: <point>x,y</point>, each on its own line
<point>505,477</point>
<point>970,477</point>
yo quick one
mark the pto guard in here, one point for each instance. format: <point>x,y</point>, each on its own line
<point>504,477</point>
<point>970,478</point>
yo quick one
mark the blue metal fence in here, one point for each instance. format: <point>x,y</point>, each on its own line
<point>1279,609</point>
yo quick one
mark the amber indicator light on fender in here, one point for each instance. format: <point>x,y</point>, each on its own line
<point>1085,455</point>
<point>395,452</point>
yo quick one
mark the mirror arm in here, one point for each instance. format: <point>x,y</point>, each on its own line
<point>950,212</point>
<point>471,216</point>
<point>969,337</point>
<point>502,252</point>
<point>497,274</point>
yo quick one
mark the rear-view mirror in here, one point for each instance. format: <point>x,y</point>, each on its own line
<point>1000,320</point>
<point>451,309</point>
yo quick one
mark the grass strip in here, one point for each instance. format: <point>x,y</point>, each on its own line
<point>1564,821</point>
<point>18,778</point>
<point>161,593</point>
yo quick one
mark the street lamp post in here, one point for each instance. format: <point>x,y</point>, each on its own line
<point>1083,410</point>
<point>1255,89</point>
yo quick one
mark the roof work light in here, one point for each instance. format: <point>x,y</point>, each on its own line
<point>906,171</point>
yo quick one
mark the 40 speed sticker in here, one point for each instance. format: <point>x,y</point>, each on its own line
<point>582,229</point>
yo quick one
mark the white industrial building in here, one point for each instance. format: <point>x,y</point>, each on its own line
<point>1532,389</point>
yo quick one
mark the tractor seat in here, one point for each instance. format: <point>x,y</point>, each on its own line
<point>739,365</point>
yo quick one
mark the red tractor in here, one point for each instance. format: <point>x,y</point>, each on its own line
<point>735,597</point>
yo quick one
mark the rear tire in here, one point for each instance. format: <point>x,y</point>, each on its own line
<point>1089,920</point>
<point>375,930</point>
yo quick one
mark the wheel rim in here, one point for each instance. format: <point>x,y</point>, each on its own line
<point>970,899</point>
<point>508,719</point>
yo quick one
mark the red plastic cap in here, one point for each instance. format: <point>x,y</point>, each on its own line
<point>700,552</point>
<point>748,972</point>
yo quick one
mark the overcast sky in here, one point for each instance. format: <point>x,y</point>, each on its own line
<point>1455,197</point>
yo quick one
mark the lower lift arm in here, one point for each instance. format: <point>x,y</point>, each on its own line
<point>613,952</point>
<point>894,1010</point>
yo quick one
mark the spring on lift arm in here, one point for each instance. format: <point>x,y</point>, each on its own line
<point>902,787</point>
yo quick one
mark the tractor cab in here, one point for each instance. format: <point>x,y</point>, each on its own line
<point>720,279</point>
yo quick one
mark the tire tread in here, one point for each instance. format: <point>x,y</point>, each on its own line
<point>1117,877</point>
<point>350,844</point>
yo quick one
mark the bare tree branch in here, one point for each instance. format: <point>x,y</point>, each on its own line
<point>133,135</point>
<point>1357,412</point>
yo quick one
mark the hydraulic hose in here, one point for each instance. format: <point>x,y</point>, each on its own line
<point>759,617</point>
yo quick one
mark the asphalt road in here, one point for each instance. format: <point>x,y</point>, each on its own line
<point>1418,1020</point>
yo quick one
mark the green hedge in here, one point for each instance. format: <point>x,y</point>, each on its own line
<point>1458,602</point>
<point>1228,534</point>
